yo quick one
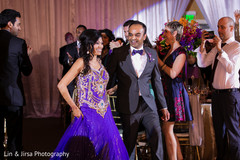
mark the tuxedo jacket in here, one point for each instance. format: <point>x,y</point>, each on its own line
<point>63,59</point>
<point>129,84</point>
<point>14,61</point>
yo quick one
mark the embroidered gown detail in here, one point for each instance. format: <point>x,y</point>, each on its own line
<point>95,136</point>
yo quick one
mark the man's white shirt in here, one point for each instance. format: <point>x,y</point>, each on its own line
<point>226,73</point>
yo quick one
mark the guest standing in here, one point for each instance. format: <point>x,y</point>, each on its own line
<point>92,134</point>
<point>62,54</point>
<point>69,38</point>
<point>70,54</point>
<point>14,61</point>
<point>225,60</point>
<point>125,30</point>
<point>172,69</point>
<point>107,37</point>
<point>67,56</point>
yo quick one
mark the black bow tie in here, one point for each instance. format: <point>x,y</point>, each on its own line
<point>223,44</point>
<point>137,51</point>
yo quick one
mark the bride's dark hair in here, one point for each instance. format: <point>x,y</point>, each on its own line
<point>87,39</point>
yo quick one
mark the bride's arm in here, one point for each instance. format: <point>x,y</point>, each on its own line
<point>65,81</point>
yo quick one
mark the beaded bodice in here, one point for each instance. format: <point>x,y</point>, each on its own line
<point>92,90</point>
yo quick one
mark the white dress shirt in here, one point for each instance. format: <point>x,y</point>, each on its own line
<point>139,61</point>
<point>226,73</point>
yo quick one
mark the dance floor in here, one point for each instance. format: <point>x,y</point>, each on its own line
<point>40,137</point>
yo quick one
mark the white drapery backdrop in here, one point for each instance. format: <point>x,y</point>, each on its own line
<point>213,10</point>
<point>44,23</point>
<point>176,9</point>
<point>156,15</point>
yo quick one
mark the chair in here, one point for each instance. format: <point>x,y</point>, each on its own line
<point>5,135</point>
<point>116,117</point>
<point>142,149</point>
<point>181,130</point>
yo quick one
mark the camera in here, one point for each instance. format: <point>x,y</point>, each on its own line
<point>210,35</point>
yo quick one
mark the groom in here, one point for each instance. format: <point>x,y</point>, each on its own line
<point>136,67</point>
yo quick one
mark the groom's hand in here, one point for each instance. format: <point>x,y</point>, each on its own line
<point>165,115</point>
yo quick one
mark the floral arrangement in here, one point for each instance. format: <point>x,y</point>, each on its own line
<point>161,45</point>
<point>191,38</point>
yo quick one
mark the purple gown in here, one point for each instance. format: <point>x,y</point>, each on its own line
<point>94,137</point>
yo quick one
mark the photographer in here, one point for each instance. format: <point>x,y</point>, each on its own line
<point>225,61</point>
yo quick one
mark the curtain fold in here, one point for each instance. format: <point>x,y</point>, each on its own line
<point>213,10</point>
<point>176,9</point>
<point>44,23</point>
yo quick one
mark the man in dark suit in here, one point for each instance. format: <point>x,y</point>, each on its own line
<point>136,66</point>
<point>68,55</point>
<point>14,60</point>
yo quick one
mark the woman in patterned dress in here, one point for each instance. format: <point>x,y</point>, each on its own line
<point>93,134</point>
<point>172,70</point>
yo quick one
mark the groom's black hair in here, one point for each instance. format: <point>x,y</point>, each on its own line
<point>142,24</point>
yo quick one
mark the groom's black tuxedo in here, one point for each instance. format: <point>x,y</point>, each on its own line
<point>14,61</point>
<point>135,109</point>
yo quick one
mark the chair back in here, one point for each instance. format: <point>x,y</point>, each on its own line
<point>181,130</point>
<point>116,117</point>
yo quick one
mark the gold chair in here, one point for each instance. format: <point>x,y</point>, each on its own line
<point>5,135</point>
<point>142,149</point>
<point>181,130</point>
<point>116,117</point>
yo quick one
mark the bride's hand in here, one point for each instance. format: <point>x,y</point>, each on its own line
<point>77,112</point>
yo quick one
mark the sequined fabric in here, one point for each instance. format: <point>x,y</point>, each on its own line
<point>92,90</point>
